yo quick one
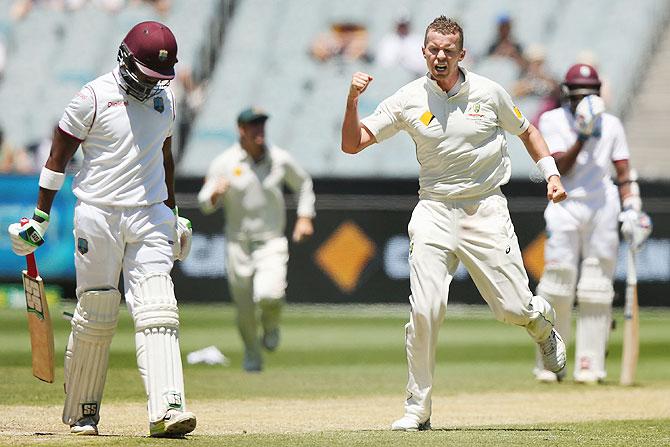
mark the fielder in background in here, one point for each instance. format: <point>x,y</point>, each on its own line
<point>458,120</point>
<point>582,237</point>
<point>125,220</point>
<point>246,180</point>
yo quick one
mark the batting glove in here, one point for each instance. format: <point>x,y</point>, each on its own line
<point>588,116</point>
<point>636,227</point>
<point>184,236</point>
<point>27,237</point>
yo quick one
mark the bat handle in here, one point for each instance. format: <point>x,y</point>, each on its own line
<point>30,258</point>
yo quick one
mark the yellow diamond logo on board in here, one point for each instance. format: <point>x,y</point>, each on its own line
<point>345,254</point>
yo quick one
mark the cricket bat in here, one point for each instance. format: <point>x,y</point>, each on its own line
<point>631,324</point>
<point>39,322</point>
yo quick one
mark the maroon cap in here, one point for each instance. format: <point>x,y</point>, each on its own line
<point>154,49</point>
<point>582,74</point>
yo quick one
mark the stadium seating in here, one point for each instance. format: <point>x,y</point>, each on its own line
<point>265,61</point>
<point>53,53</point>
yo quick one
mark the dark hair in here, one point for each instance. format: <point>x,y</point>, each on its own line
<point>444,25</point>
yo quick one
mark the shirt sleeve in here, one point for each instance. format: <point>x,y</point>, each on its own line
<point>510,117</point>
<point>299,181</point>
<point>174,111</point>
<point>386,120</point>
<point>79,114</point>
<point>551,134</point>
<point>214,172</point>
<point>620,149</point>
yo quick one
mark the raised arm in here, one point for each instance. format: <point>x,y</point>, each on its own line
<point>355,136</point>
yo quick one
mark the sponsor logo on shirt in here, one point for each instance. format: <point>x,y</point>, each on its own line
<point>517,112</point>
<point>237,171</point>
<point>474,111</point>
<point>117,103</point>
<point>427,117</point>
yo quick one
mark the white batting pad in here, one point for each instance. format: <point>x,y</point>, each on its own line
<point>557,286</point>
<point>87,353</point>
<point>593,329</point>
<point>157,341</point>
<point>595,282</point>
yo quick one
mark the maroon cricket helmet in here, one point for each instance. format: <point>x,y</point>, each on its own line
<point>153,48</point>
<point>581,79</point>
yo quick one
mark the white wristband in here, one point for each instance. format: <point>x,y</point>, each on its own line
<point>51,179</point>
<point>547,166</point>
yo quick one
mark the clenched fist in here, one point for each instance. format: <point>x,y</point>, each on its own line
<point>555,191</point>
<point>359,82</point>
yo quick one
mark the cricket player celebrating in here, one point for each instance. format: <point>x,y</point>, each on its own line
<point>124,221</point>
<point>246,180</point>
<point>582,236</point>
<point>458,120</point>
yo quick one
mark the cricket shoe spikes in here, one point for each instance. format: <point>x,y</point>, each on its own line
<point>175,424</point>
<point>553,352</point>
<point>85,427</point>
<point>410,423</point>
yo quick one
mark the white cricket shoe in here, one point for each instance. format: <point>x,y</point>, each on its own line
<point>270,340</point>
<point>553,352</point>
<point>544,376</point>
<point>175,424</point>
<point>410,423</point>
<point>85,427</point>
<point>588,377</point>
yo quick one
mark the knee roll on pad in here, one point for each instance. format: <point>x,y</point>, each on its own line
<point>87,353</point>
<point>594,286</point>
<point>157,339</point>
<point>558,281</point>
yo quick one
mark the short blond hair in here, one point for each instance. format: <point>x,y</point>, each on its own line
<point>444,25</point>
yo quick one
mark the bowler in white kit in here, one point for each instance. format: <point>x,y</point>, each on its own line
<point>582,232</point>
<point>247,181</point>
<point>458,120</point>
<point>125,221</point>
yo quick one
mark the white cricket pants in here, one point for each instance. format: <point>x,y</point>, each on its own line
<point>256,275</point>
<point>580,229</point>
<point>583,229</point>
<point>479,233</point>
<point>138,240</point>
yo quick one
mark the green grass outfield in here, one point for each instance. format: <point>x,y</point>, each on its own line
<point>338,379</point>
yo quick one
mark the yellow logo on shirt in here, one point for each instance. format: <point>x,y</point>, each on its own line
<point>427,117</point>
<point>517,112</point>
<point>237,171</point>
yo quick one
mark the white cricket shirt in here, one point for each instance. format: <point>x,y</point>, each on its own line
<point>460,140</point>
<point>590,175</point>
<point>253,206</point>
<point>122,143</point>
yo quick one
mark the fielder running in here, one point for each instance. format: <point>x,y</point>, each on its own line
<point>458,120</point>
<point>124,221</point>
<point>582,237</point>
<point>246,180</point>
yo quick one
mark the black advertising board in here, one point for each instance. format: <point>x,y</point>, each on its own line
<point>359,251</point>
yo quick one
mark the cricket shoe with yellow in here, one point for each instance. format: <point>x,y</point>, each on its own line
<point>410,423</point>
<point>175,424</point>
<point>85,427</point>
<point>553,353</point>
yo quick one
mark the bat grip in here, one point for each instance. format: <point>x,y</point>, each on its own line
<point>30,258</point>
